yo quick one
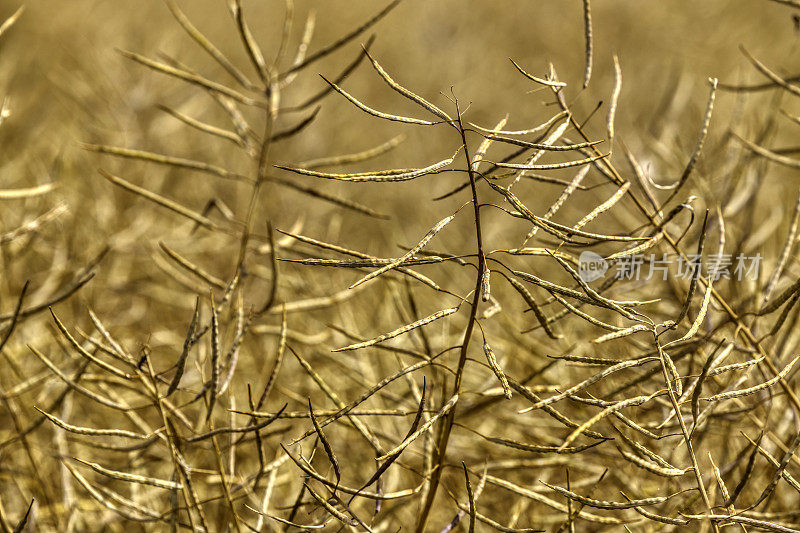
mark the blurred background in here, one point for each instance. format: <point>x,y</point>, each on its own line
<point>65,84</point>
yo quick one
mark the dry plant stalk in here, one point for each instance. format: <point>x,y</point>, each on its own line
<point>633,400</point>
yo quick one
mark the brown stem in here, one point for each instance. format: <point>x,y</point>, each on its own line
<point>449,419</point>
<point>261,177</point>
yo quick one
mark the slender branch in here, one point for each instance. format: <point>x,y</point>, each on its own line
<point>447,424</point>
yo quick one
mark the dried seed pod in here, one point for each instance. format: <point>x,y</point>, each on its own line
<point>603,504</point>
<point>490,357</point>
<point>754,389</point>
<point>399,331</point>
<point>422,429</point>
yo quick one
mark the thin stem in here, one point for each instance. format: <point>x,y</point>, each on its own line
<point>686,437</point>
<point>261,173</point>
<point>449,420</point>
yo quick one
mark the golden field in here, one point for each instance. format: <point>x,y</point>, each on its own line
<point>235,296</point>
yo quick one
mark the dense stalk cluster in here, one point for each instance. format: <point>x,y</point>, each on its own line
<point>512,388</point>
